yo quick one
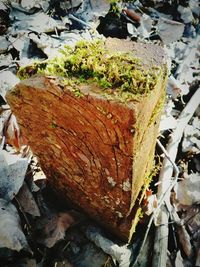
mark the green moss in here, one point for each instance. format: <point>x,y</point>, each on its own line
<point>114,7</point>
<point>119,74</point>
<point>77,92</point>
<point>53,125</point>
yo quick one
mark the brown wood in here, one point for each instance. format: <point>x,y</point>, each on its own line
<point>95,152</point>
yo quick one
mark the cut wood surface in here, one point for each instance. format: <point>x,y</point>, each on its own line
<point>96,152</point>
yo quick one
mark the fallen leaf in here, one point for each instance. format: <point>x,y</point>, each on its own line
<point>179,260</point>
<point>100,7</point>
<point>4,44</point>
<point>151,204</point>
<point>11,235</point>
<point>184,239</point>
<point>12,132</point>
<point>146,23</point>
<point>194,6</point>
<point>191,142</point>
<point>12,177</point>
<point>29,4</point>
<point>175,88</point>
<point>132,14</point>
<point>191,218</point>
<point>7,81</point>
<point>51,228</point>
<point>167,120</point>
<point>188,189</point>
<point>47,44</point>
<point>23,20</point>
<point>27,201</point>
<point>186,14</point>
<point>169,30</point>
<point>132,30</point>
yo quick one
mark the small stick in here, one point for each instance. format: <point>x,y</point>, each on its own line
<point>79,20</point>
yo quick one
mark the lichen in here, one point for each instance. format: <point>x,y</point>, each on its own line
<point>111,181</point>
<point>117,73</point>
<point>126,186</point>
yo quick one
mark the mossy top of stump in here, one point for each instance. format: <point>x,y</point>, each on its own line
<point>122,69</point>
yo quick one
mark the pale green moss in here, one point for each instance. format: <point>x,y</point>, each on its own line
<point>119,74</point>
<point>53,125</point>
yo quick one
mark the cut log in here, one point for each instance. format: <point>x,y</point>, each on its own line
<point>94,148</point>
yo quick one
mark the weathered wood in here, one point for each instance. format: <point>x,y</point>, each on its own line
<point>95,151</point>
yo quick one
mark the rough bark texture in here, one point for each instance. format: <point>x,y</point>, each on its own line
<point>95,152</point>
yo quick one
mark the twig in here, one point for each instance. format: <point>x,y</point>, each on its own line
<point>79,20</point>
<point>161,235</point>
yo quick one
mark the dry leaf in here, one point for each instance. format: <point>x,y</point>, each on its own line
<point>191,142</point>
<point>191,217</point>
<point>51,228</point>
<point>132,14</point>
<point>11,235</point>
<point>167,119</point>
<point>12,132</point>
<point>12,177</point>
<point>175,88</point>
<point>169,30</point>
<point>27,201</point>
<point>7,81</point>
<point>144,29</point>
<point>184,239</point>
<point>186,14</point>
<point>179,260</point>
<point>4,44</point>
<point>150,202</point>
<point>188,189</point>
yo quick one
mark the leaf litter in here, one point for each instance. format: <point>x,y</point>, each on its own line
<point>61,237</point>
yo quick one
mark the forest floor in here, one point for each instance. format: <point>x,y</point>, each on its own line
<point>36,232</point>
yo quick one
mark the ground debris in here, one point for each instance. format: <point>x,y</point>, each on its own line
<point>11,235</point>
<point>32,29</point>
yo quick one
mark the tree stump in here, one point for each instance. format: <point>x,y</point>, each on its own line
<point>95,150</point>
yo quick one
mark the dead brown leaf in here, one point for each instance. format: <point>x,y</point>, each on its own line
<point>51,228</point>
<point>27,201</point>
<point>12,133</point>
<point>184,239</point>
<point>11,235</point>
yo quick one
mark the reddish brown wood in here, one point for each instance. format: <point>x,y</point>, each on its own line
<point>95,152</point>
